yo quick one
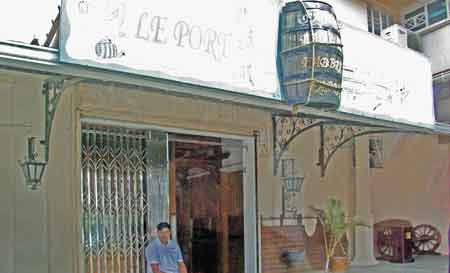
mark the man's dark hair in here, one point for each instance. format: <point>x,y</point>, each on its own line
<point>162,226</point>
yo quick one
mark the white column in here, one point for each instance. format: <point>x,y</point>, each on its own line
<point>364,252</point>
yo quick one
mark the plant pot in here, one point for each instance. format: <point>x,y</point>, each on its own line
<point>339,264</point>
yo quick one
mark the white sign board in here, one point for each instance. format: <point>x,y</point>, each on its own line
<point>232,45</point>
<point>228,45</point>
<point>384,81</point>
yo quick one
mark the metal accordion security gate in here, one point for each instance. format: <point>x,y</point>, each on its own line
<point>124,194</point>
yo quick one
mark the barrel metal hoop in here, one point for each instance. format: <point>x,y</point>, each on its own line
<point>284,52</point>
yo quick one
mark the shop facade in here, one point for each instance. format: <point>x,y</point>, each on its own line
<point>233,172</point>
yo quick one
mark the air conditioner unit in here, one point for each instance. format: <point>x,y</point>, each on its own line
<point>396,34</point>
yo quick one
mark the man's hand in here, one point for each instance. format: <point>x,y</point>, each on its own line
<point>181,268</point>
<point>155,268</point>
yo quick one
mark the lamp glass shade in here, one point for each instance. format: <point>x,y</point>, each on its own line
<point>33,171</point>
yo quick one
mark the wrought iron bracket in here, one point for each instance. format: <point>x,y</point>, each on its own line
<point>333,137</point>
<point>334,134</point>
<point>285,129</point>
<point>52,90</point>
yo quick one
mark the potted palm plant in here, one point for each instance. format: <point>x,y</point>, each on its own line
<point>335,225</point>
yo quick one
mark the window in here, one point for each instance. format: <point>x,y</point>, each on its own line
<point>426,15</point>
<point>385,21</point>
<point>378,20</point>
<point>441,88</point>
<point>369,20</point>
<point>437,11</point>
<point>376,153</point>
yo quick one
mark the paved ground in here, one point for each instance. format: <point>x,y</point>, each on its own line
<point>423,264</point>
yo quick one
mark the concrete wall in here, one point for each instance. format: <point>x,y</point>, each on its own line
<point>351,12</point>
<point>23,214</point>
<point>437,47</point>
<point>338,179</point>
<point>354,12</point>
<point>414,183</point>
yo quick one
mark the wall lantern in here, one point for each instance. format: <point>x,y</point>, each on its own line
<point>32,168</point>
<point>310,58</point>
<point>293,184</point>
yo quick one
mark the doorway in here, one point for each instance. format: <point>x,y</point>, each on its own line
<point>207,202</point>
<point>134,176</point>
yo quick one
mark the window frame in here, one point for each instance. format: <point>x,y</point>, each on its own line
<point>442,78</point>
<point>428,11</point>
<point>376,151</point>
<point>371,9</point>
<point>441,96</point>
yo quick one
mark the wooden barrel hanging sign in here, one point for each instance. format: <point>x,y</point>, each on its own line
<point>310,57</point>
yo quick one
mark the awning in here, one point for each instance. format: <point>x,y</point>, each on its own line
<point>45,62</point>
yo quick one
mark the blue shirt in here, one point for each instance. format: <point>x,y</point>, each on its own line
<point>167,256</point>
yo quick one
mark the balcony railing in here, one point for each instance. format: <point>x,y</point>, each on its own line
<point>426,15</point>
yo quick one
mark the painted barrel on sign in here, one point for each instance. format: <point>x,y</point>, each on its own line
<point>310,57</point>
<point>106,49</point>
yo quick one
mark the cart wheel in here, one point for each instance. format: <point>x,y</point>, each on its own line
<point>426,239</point>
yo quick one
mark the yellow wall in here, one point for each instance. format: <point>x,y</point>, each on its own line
<point>23,224</point>
<point>414,183</point>
<point>339,176</point>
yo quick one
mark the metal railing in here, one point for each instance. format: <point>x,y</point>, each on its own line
<point>114,201</point>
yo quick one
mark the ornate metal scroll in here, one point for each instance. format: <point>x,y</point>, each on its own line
<point>52,90</point>
<point>333,135</point>
<point>287,128</point>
